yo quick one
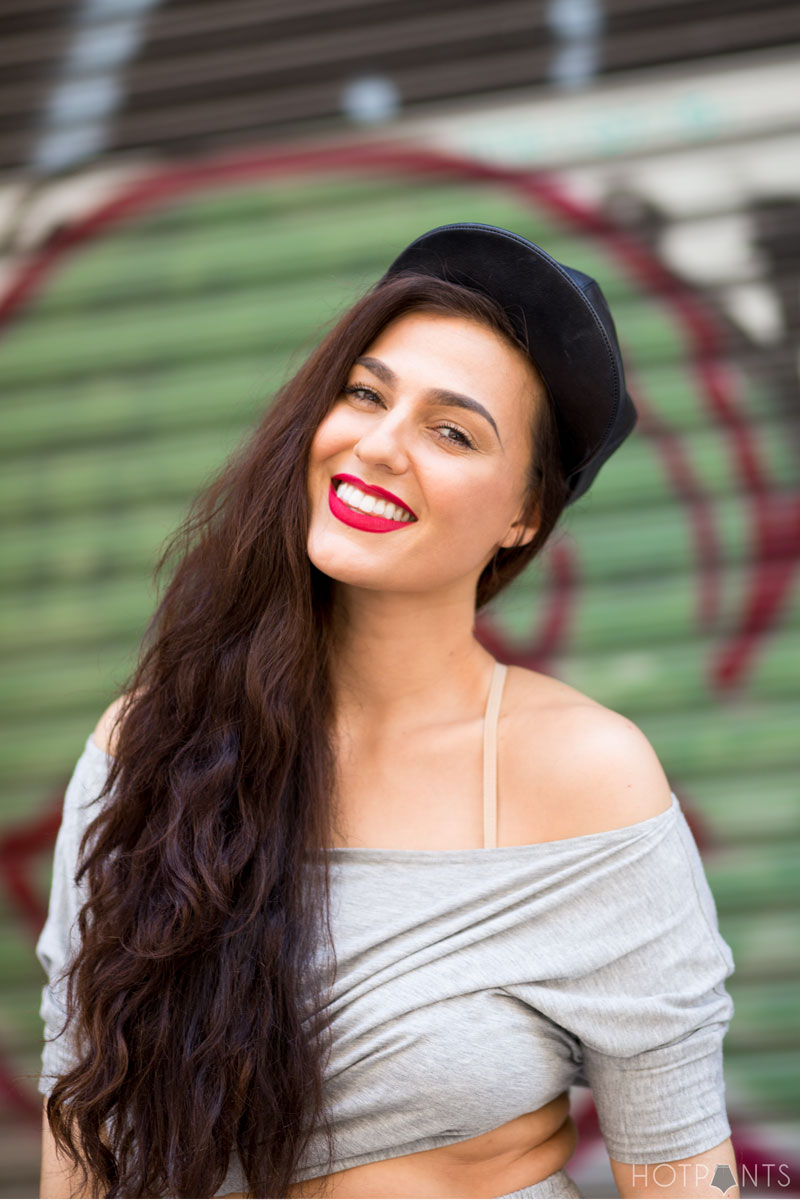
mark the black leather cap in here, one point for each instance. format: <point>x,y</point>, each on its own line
<point>560,314</point>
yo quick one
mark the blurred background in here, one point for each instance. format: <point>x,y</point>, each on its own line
<point>190,192</point>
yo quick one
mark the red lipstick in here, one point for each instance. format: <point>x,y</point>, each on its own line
<point>366,521</point>
<point>374,490</point>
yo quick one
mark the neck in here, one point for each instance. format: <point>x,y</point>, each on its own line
<point>400,658</point>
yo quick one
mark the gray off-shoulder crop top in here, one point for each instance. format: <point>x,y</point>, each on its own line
<point>476,985</point>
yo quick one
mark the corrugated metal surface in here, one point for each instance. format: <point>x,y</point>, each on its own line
<point>198,72</point>
<point>145,360</point>
<point>670,594</point>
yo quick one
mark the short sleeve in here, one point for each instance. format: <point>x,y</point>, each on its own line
<point>650,1022</point>
<point>57,941</point>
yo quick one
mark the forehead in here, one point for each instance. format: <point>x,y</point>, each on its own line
<point>453,342</point>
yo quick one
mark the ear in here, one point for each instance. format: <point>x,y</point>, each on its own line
<point>520,532</point>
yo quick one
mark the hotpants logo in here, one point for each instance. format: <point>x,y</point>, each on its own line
<point>723,1178</point>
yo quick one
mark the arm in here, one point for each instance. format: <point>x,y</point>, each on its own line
<point>59,1178</point>
<point>682,1177</point>
<point>650,1017</point>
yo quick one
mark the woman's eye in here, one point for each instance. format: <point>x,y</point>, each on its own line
<point>355,389</point>
<point>460,439</point>
<point>463,440</point>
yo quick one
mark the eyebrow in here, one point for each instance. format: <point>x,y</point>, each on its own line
<point>435,395</point>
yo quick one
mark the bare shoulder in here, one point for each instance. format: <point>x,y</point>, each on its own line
<point>105,734</point>
<point>571,765</point>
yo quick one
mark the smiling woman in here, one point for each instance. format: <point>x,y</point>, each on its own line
<point>360,904</point>
<point>466,485</point>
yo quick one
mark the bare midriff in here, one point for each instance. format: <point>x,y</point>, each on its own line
<point>506,1159</point>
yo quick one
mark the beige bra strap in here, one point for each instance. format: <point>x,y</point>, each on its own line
<point>490,755</point>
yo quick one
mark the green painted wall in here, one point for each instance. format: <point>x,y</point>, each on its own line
<point>152,350</point>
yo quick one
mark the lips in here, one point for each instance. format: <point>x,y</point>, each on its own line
<point>366,522</point>
<point>374,490</point>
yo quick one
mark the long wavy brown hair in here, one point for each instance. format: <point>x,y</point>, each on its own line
<point>197,997</point>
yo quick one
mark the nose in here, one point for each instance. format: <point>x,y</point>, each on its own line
<point>384,444</point>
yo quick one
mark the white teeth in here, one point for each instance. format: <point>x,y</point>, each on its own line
<point>355,498</point>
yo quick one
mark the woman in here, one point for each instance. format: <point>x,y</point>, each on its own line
<point>362,903</point>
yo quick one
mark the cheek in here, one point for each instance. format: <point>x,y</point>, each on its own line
<point>320,453</point>
<point>472,519</point>
<point>319,442</point>
<point>331,436</point>
<point>480,505</point>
